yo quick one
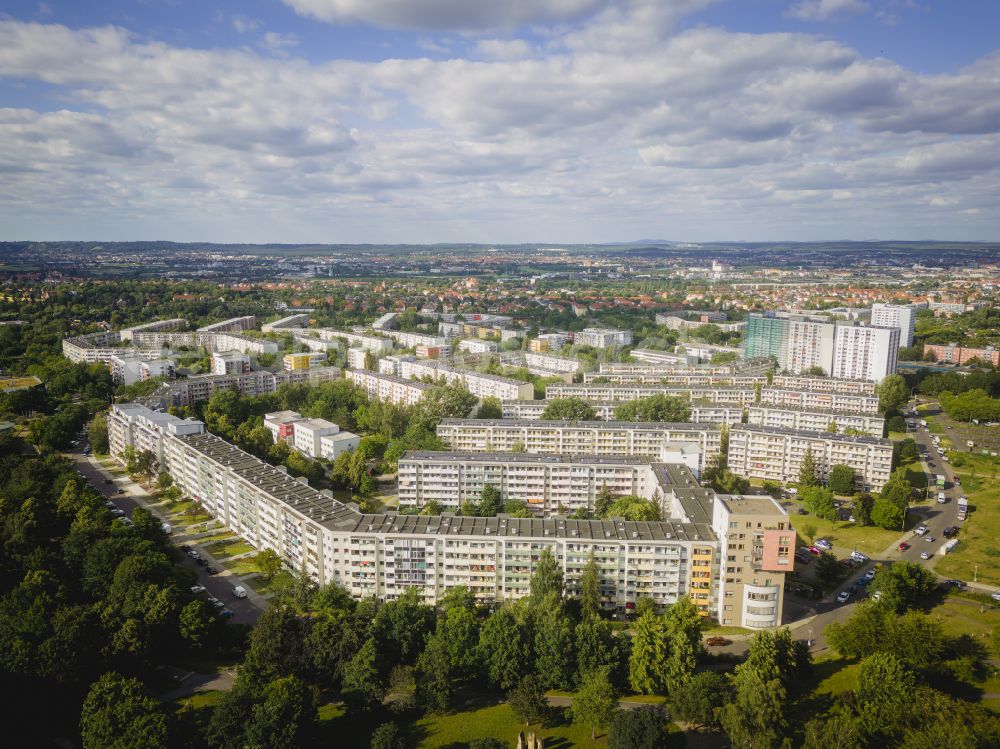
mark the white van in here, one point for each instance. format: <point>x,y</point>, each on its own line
<point>239,591</point>
<point>942,498</point>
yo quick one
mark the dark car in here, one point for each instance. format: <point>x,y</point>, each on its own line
<point>211,570</point>
<point>717,641</point>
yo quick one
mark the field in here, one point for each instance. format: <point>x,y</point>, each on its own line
<point>870,540</point>
<point>978,552</point>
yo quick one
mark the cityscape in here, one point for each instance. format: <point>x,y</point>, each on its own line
<point>314,433</point>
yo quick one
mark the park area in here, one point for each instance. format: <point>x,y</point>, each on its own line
<point>977,556</point>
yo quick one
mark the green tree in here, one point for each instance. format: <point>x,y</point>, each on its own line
<point>644,728</point>
<point>603,501</point>
<point>888,515</point>
<point>828,570</point>
<point>683,627</point>
<point>527,701</point>
<point>555,664</point>
<point>647,665</point>
<point>269,563</point>
<point>660,407</point>
<point>808,470</point>
<point>903,585</point>
<point>885,689</point>
<point>547,577</point>
<point>700,700</point>
<point>594,702</point>
<point>840,730</point>
<point>388,736</point>
<point>490,408</point>
<point>490,501</point>
<point>118,714</point>
<point>819,501</point>
<point>892,393</point>
<point>504,649</point>
<point>284,716</point>
<point>364,685</point>
<point>808,531</point>
<point>97,433</point>
<point>571,409</point>
<point>632,507</point>
<point>841,479</point>
<point>197,623</point>
<point>596,647</point>
<point>590,588</point>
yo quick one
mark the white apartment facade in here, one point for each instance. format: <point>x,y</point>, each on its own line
<point>776,454</point>
<point>618,393</point>
<point>900,316</point>
<point>307,435</point>
<point>865,353</point>
<point>810,400</point>
<point>701,412</point>
<point>815,420</point>
<point>603,438</point>
<point>388,388</point>
<point>230,362</point>
<point>386,555</point>
<point>602,337</point>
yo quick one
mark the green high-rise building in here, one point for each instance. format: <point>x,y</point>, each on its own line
<point>765,336</point>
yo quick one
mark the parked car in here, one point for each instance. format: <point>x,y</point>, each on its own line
<point>903,546</point>
<point>995,595</point>
<point>118,513</point>
<point>857,556</point>
<point>921,530</point>
<point>824,544</point>
<point>193,553</point>
<point>925,555</point>
<point>717,641</point>
<point>196,589</point>
<point>815,550</point>
<point>226,613</point>
<point>869,575</point>
<point>844,596</point>
<point>930,539</point>
<point>211,570</point>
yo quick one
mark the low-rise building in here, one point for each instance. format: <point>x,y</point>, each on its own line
<point>281,425</point>
<point>952,353</point>
<point>476,346</point>
<point>307,435</point>
<point>303,360</point>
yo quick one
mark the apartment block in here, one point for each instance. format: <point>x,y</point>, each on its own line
<point>602,337</point>
<point>411,340</point>
<point>377,344</point>
<point>475,346</point>
<point>823,384</point>
<point>550,362</point>
<point>386,387</point>
<point>900,316</point>
<point>578,437</point>
<point>701,412</point>
<point>652,356</point>
<point>600,392</point>
<point>775,453</point>
<point>809,400</point>
<point>548,342</point>
<point>190,390</point>
<point>230,362</point>
<point>281,424</point>
<point>437,351</point>
<point>137,426</point>
<point>100,348</point>
<point>308,435</point>
<point>865,353</point>
<point>952,353</point>
<point>177,323</point>
<point>479,384</point>
<point>232,325</point>
<point>358,358</point>
<point>697,379</point>
<point>549,484</point>
<point>304,360</point>
<point>816,420</point>
<point>386,555</point>
<point>298,320</point>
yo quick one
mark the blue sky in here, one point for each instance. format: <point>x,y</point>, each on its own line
<point>472,120</point>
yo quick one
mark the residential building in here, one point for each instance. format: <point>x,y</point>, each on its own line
<point>307,435</point>
<point>578,437</point>
<point>776,454</point>
<point>952,353</point>
<point>386,555</point>
<point>232,325</point>
<point>332,445</point>
<point>809,400</point>
<point>816,420</point>
<point>358,358</point>
<point>823,384</point>
<point>476,346</point>
<point>548,342</point>
<point>602,337</point>
<point>387,387</point>
<point>230,362</point>
<point>304,360</point>
<point>597,392</point>
<point>411,340</point>
<point>281,425</point>
<point>702,412</point>
<point>433,352</point>
<point>901,316</point>
<point>298,320</point>
<point>190,390</point>
<point>651,356</point>
<point>144,430</point>
<point>865,352</point>
<point>177,323</point>
<point>388,321</point>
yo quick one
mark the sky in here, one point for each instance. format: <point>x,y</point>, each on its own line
<point>575,121</point>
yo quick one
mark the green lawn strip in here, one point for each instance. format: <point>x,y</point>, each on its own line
<point>966,618</point>
<point>977,555</point>
<point>846,536</point>
<point>259,584</point>
<point>243,566</point>
<point>227,548</point>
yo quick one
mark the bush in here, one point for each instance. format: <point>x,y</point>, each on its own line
<point>644,728</point>
<point>388,736</point>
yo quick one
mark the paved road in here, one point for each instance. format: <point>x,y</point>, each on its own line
<point>127,495</point>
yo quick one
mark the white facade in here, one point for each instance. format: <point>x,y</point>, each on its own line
<point>602,337</point>
<point>618,393</point>
<point>865,353</point>
<point>386,387</point>
<point>476,346</point>
<point>332,445</point>
<point>901,316</point>
<point>776,454</point>
<point>230,362</point>
<point>816,421</point>
<point>812,400</point>
<point>308,434</point>
<point>356,358</point>
<point>809,344</point>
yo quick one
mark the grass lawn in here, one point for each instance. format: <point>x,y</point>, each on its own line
<point>259,584</point>
<point>843,535</point>
<point>979,538</point>
<point>966,618</point>
<point>243,566</point>
<point>230,548</point>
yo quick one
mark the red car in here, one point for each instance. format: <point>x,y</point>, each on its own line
<point>717,641</point>
<point>814,550</point>
<point>903,546</point>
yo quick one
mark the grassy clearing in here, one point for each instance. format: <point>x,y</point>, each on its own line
<point>959,618</point>
<point>243,566</point>
<point>847,536</point>
<point>978,551</point>
<point>228,548</point>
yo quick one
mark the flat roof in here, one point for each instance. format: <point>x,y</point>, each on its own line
<point>810,434</point>
<point>390,378</point>
<point>746,504</point>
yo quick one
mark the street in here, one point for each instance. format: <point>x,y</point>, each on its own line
<point>128,495</point>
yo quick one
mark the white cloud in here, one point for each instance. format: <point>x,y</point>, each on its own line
<point>704,134</point>
<point>245,25</point>
<point>821,10</point>
<point>446,14</point>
